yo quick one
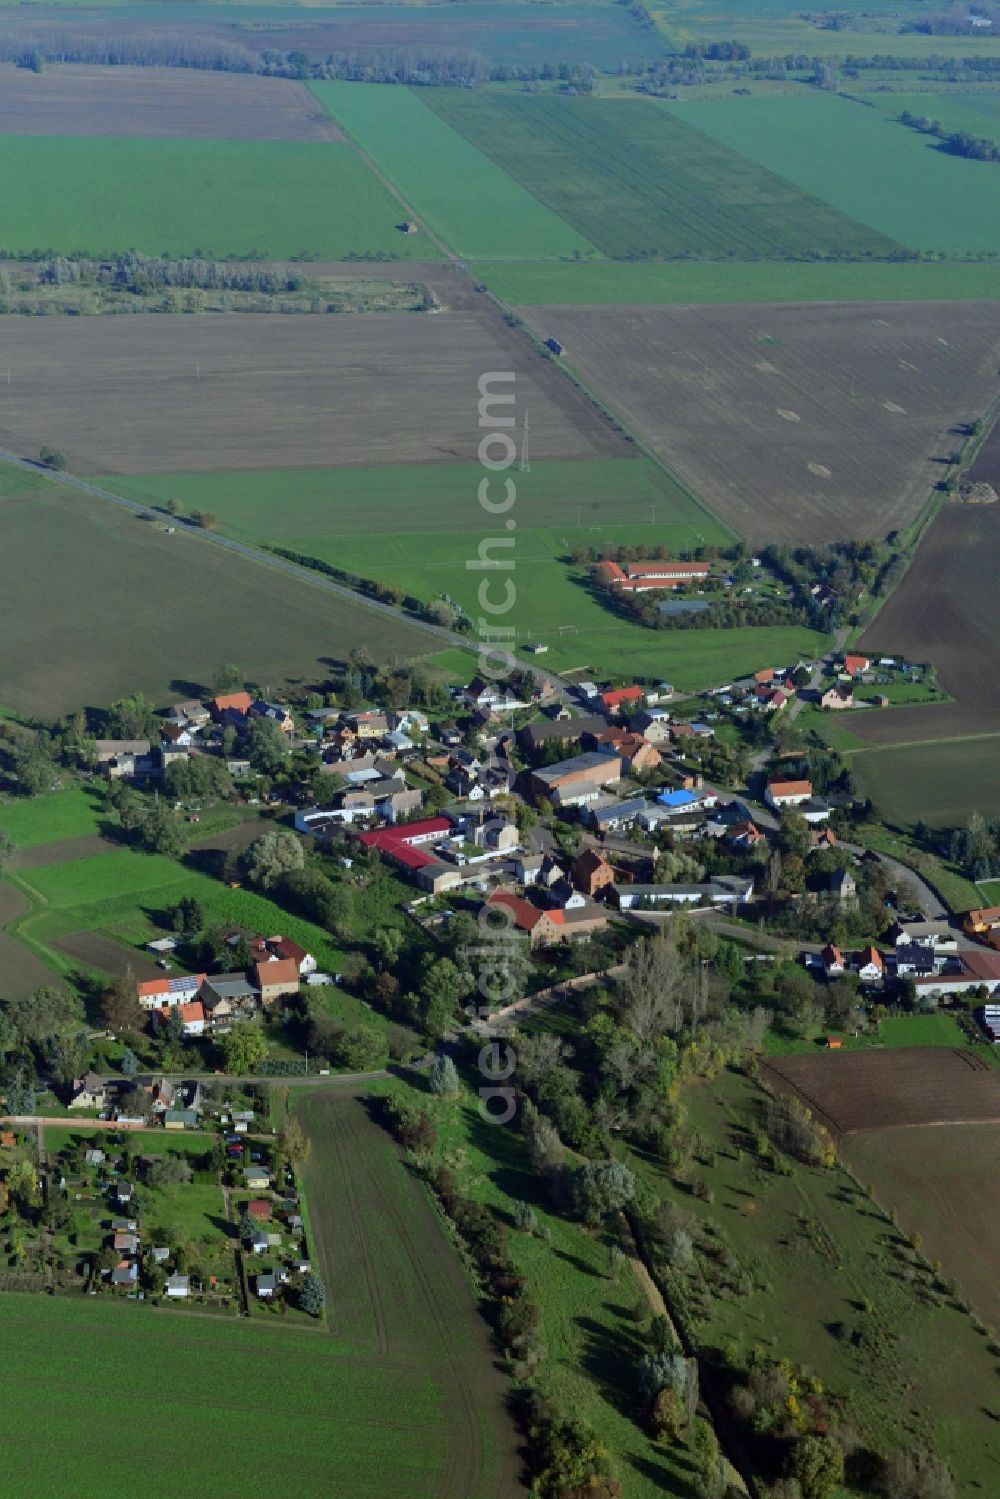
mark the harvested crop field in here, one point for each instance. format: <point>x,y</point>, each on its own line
<point>946,611</point>
<point>796,423</point>
<point>142,395</point>
<point>401,1307</point>
<point>873,1090</point>
<point>947,1192</point>
<point>79,99</point>
<point>127,607</point>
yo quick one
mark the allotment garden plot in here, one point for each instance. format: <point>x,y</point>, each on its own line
<point>795,423</point>
<point>77,99</point>
<point>266,391</point>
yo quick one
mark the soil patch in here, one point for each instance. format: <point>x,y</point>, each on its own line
<point>109,956</point>
<point>871,1090</point>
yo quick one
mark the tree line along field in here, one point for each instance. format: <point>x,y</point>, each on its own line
<point>869,168</point>
<point>775,28</point>
<point>819,1256</point>
<point>256,199</point>
<point>252,391</point>
<point>531,34</point>
<point>464,196</point>
<point>652,283</point>
<point>637,180</point>
<point>798,423</point>
<point>76,100</point>
<point>99,627</point>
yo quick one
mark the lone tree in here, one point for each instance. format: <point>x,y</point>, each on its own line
<point>443,1078</point>
<point>312,1297</point>
<point>244,1049</point>
<point>276,854</point>
<point>53,458</point>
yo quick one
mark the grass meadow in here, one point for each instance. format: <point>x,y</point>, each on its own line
<point>637,181</point>
<point>609,283</point>
<point>941,782</point>
<point>867,167</point>
<point>33,821</point>
<point>415,527</point>
<point>265,200</point>
<point>818,1252</point>
<point>460,193</point>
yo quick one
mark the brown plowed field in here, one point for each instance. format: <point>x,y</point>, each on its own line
<point>872,1090</point>
<point>108,956</point>
<point>795,423</point>
<point>243,391</point>
<point>945,1189</point>
<point>947,610</point>
<point>79,99</point>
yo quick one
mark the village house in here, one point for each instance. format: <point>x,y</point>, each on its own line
<point>974,968</point>
<point>856,666</point>
<point>837,697</point>
<point>231,702</point>
<point>608,815</point>
<point>89,1092</point>
<point>832,960</point>
<point>165,993</point>
<point>560,731</point>
<point>591,872</point>
<point>614,700</point>
<point>871,966</point>
<point>276,978</point>
<point>284,947</point>
<point>549,928</point>
<point>782,794</point>
<point>980,921</point>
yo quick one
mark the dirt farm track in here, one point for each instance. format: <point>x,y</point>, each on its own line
<point>158,394</point>
<point>854,1091</point>
<point>795,423</point>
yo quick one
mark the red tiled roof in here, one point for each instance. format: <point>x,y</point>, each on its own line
<point>870,956</point>
<point>526,916</point>
<point>193,1012</point>
<point>260,1210</point>
<point>621,695</point>
<point>239,700</point>
<point>790,788</point>
<point>276,971</point>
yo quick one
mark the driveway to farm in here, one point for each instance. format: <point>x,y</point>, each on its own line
<point>817,676</point>
<point>447,638</point>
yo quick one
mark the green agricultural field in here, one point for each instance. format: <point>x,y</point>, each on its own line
<point>416,527</point>
<point>818,1255</point>
<point>401,1309</point>
<point>775,28</point>
<point>867,167</point>
<point>692,282</point>
<point>263,1393</point>
<point>461,194</point>
<point>32,821</point>
<point>978,113</point>
<point>941,781</point>
<point>267,200</point>
<point>67,646</point>
<point>636,181</point>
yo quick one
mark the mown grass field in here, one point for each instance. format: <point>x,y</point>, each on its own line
<point>636,180</point>
<point>400,1305</point>
<point>940,782</point>
<point>458,191</point>
<point>415,527</point>
<point>96,631</point>
<point>33,821</point>
<point>256,199</point>
<point>692,282</point>
<point>869,168</point>
<point>818,1252</point>
<point>895,1030</point>
<point>268,1399</point>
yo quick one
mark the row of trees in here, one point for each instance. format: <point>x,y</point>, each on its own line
<point>958,142</point>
